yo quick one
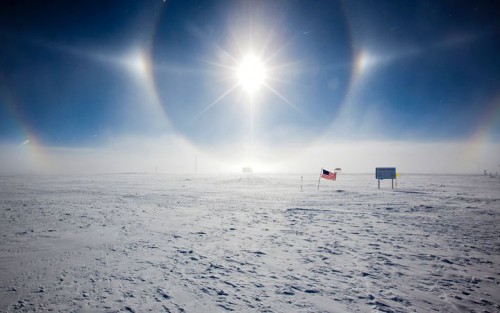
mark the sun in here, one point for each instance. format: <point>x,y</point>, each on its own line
<point>251,74</point>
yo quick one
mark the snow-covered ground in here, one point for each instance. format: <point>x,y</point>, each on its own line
<point>249,243</point>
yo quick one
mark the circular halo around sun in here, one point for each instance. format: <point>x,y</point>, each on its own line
<point>251,74</point>
<point>281,79</point>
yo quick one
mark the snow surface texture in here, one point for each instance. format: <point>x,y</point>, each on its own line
<point>254,243</point>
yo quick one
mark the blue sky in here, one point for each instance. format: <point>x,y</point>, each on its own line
<point>76,74</point>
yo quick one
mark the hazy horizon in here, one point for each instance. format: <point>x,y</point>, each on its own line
<point>139,155</point>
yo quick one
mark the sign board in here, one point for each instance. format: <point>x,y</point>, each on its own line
<point>385,173</point>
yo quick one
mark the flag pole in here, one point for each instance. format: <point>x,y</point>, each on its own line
<point>319,179</point>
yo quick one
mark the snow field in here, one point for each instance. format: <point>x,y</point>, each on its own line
<point>249,243</point>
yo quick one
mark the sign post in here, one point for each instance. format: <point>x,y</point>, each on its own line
<point>382,173</point>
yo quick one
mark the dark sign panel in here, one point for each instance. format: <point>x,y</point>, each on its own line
<point>385,173</point>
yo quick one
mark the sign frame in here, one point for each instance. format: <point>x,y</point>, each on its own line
<point>385,173</point>
<point>382,173</point>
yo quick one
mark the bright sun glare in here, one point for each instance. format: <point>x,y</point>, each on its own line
<point>251,74</point>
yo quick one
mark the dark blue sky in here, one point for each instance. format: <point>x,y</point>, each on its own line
<point>433,71</point>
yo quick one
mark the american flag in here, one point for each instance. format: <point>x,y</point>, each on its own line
<point>328,175</point>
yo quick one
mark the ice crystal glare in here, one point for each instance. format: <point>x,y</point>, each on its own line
<point>251,74</point>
